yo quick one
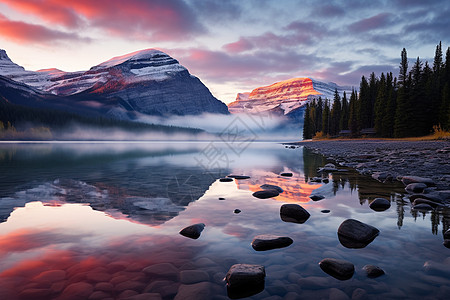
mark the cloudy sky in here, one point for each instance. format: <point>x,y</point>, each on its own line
<point>232,46</point>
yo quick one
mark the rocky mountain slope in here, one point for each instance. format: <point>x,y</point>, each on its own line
<point>143,82</point>
<point>285,97</point>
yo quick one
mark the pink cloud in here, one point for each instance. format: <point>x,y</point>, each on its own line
<point>23,33</point>
<point>241,45</point>
<point>142,19</point>
<point>381,20</point>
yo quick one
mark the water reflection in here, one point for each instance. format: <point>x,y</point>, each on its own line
<point>104,220</point>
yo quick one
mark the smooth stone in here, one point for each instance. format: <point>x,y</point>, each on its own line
<point>271,187</point>
<point>373,271</point>
<point>447,234</point>
<point>286,174</point>
<point>198,291</point>
<point>355,234</point>
<point>265,194</point>
<point>268,242</point>
<point>328,168</point>
<point>422,206</point>
<point>237,211</point>
<point>416,179</point>
<point>78,290</point>
<point>316,197</point>
<point>339,269</point>
<point>145,296</point>
<point>294,213</point>
<point>359,294</point>
<point>226,179</point>
<point>239,176</point>
<point>382,176</point>
<point>245,280</point>
<point>426,201</point>
<point>415,187</point>
<point>446,243</point>
<point>436,269</point>
<point>221,198</point>
<point>193,231</point>
<point>337,294</point>
<point>166,270</point>
<point>325,211</point>
<point>380,204</point>
<point>193,276</point>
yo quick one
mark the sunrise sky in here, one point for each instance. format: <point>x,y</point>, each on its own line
<point>232,46</point>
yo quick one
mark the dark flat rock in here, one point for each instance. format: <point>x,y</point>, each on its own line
<point>239,176</point>
<point>237,211</point>
<point>294,213</point>
<point>268,242</point>
<point>226,179</point>
<point>339,269</point>
<point>418,187</point>
<point>380,204</point>
<point>271,187</point>
<point>355,234</point>
<point>286,174</point>
<point>193,231</point>
<point>316,197</point>
<point>265,194</point>
<point>325,211</point>
<point>373,271</point>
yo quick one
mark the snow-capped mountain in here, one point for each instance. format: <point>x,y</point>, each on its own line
<point>147,81</point>
<point>285,97</point>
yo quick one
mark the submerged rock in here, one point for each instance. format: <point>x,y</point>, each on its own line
<point>265,194</point>
<point>244,280</point>
<point>373,271</point>
<point>380,204</point>
<point>236,211</point>
<point>422,206</point>
<point>294,213</point>
<point>193,231</point>
<point>446,243</point>
<point>239,176</point>
<point>268,242</point>
<point>325,211</point>
<point>328,168</point>
<point>355,234</point>
<point>382,176</point>
<point>339,269</point>
<point>271,187</point>
<point>447,234</point>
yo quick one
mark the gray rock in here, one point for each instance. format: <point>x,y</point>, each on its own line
<point>286,174</point>
<point>426,201</point>
<point>416,179</point>
<point>359,294</point>
<point>447,234</point>
<point>268,242</point>
<point>165,270</point>
<point>294,213</point>
<point>382,176</point>
<point>373,271</point>
<point>316,197</point>
<point>337,294</point>
<point>265,194</point>
<point>355,234</point>
<point>416,187</point>
<point>271,187</point>
<point>244,280</point>
<point>422,206</point>
<point>193,231</point>
<point>380,204</point>
<point>339,269</point>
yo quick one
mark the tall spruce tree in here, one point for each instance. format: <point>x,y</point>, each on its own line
<point>307,124</point>
<point>389,116</point>
<point>326,118</point>
<point>335,114</point>
<point>380,105</point>
<point>403,113</point>
<point>353,114</point>
<point>343,122</point>
<point>364,110</point>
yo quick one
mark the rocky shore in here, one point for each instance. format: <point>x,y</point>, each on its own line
<point>389,159</point>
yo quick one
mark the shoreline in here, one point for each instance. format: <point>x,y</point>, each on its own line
<point>430,158</point>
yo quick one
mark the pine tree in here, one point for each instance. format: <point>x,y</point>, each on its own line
<point>353,114</point>
<point>403,76</point>
<point>380,106</point>
<point>389,116</point>
<point>335,115</point>
<point>307,128</point>
<point>364,110</point>
<point>326,118</point>
<point>403,112</point>
<point>343,122</point>
<point>319,114</point>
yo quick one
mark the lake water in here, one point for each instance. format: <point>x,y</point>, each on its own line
<point>102,221</point>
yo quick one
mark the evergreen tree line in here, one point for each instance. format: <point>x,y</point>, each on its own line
<point>412,105</point>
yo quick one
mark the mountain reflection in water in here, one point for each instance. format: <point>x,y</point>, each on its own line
<point>103,220</point>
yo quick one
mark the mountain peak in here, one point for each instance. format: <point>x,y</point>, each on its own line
<point>137,56</point>
<point>3,55</point>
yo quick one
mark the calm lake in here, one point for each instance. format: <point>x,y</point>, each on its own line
<point>102,221</point>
